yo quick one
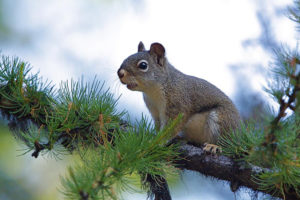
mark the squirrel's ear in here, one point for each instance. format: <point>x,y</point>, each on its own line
<point>158,51</point>
<point>141,47</point>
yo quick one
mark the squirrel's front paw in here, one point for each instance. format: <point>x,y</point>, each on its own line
<point>212,148</point>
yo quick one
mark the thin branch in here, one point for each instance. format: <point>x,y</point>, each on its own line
<point>38,148</point>
<point>270,138</point>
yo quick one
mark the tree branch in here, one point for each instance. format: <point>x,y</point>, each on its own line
<point>224,168</point>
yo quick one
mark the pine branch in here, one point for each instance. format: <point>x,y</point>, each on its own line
<point>130,153</point>
<point>291,94</point>
<point>66,117</point>
<point>225,168</point>
<point>81,116</point>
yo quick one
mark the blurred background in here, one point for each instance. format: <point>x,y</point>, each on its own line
<point>230,43</point>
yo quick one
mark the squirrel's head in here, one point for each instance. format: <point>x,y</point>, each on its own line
<point>144,69</point>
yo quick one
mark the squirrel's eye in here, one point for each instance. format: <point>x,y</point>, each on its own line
<point>143,65</point>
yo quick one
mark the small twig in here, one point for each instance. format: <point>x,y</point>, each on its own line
<point>70,105</point>
<point>103,134</point>
<point>293,108</point>
<point>38,148</point>
<point>270,138</point>
<point>83,195</point>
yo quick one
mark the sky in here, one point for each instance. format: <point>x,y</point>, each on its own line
<point>202,38</point>
<point>70,39</point>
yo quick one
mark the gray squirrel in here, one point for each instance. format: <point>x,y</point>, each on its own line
<point>207,111</point>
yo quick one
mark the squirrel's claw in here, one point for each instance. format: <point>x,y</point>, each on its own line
<point>212,148</point>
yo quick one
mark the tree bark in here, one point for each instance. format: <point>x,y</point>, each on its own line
<point>224,168</point>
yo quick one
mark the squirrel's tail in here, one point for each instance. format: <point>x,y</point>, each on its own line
<point>158,187</point>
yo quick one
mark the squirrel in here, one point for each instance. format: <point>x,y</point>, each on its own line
<point>207,112</point>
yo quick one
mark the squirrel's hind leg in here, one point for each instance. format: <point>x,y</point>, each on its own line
<point>203,128</point>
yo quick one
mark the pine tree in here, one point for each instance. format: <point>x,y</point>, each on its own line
<point>81,118</point>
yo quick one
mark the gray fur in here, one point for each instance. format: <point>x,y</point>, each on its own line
<point>167,92</point>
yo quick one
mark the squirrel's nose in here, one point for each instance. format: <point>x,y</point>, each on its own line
<point>121,73</point>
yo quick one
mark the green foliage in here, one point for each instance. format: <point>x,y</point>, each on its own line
<point>139,150</point>
<point>82,117</point>
<point>72,113</point>
<point>274,144</point>
<point>82,109</point>
<point>284,71</point>
<point>295,13</point>
<point>22,94</point>
<point>239,144</point>
<point>281,167</point>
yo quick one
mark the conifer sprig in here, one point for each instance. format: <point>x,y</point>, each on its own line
<point>23,95</point>
<point>275,143</point>
<point>285,88</point>
<point>69,115</point>
<point>109,167</point>
<point>82,117</point>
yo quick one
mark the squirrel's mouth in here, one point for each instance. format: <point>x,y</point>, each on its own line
<point>131,85</point>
